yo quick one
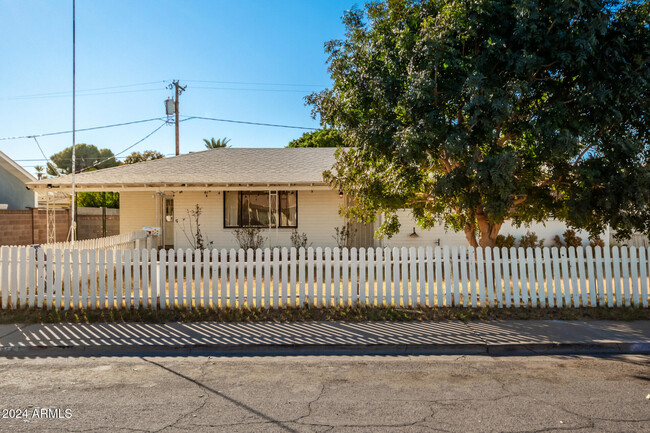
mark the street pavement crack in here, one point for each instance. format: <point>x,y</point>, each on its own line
<point>244,406</point>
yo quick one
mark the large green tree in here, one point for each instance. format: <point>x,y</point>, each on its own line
<point>319,138</point>
<point>86,156</point>
<point>147,155</point>
<point>477,112</point>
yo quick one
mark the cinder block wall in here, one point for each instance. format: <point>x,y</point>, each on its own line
<point>26,227</point>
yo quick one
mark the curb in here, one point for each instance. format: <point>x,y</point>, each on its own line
<point>528,349</point>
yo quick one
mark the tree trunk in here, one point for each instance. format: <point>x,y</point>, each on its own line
<point>470,234</point>
<point>488,232</point>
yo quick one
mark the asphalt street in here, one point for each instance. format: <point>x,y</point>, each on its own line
<point>326,394</point>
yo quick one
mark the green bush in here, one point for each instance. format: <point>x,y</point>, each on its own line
<point>571,239</point>
<point>530,239</point>
<point>505,241</point>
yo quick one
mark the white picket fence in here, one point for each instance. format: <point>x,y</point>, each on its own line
<point>324,277</point>
<point>122,241</point>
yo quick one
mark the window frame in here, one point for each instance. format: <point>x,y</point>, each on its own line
<point>240,194</point>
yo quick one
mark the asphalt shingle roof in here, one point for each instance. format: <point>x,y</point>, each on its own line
<point>217,167</point>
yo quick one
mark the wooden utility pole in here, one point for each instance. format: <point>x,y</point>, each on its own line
<point>178,90</point>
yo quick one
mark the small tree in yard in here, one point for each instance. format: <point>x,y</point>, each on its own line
<point>472,113</point>
<point>193,232</point>
<point>298,240</point>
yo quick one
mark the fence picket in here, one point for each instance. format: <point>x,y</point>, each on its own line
<point>276,276</point>
<point>318,294</point>
<point>310,277</point>
<point>362,276</point>
<point>591,288</point>
<point>248,295</point>
<point>285,277</point>
<point>4,273</point>
<point>336,252</point>
<point>523,280</point>
<point>379,262</point>
<point>31,277</point>
<point>370,301</point>
<point>480,264</point>
<point>180,278</point>
<point>51,275</point>
<point>548,278</point>
<point>128,266</point>
<point>447,277</point>
<point>625,274</point>
<point>514,272</point>
<point>40,258</point>
<point>353,277</point>
<point>162,280</point>
<point>473,292</point>
<point>616,264</point>
<point>388,278</point>
<point>241,279</point>
<point>21,266</point>
<point>504,293</point>
<point>643,268</point>
<point>397,282</point>
<point>498,283</point>
<point>422,278</point>
<point>84,278</point>
<point>328,277</point>
<point>463,254</point>
<point>206,279</point>
<point>582,282</point>
<point>232,275</point>
<point>223,275</point>
<point>489,277</point>
<point>301,277</point>
<point>599,282</point>
<point>439,282</point>
<point>430,277</point>
<point>187,296</point>
<point>531,277</point>
<point>196,293</point>
<point>413,280</point>
<point>292,276</point>
<point>119,285</point>
<point>633,299</point>
<point>608,264</point>
<point>562,277</point>
<point>456,277</point>
<point>110,281</point>
<point>404,280</point>
<point>261,276</point>
<point>101,278</point>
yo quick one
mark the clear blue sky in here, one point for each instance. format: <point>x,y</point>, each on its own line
<point>259,58</point>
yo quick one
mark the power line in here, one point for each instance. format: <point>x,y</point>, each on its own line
<point>47,134</point>
<point>128,148</point>
<point>87,94</point>
<point>275,125</point>
<point>69,92</point>
<point>251,90</point>
<point>256,84</point>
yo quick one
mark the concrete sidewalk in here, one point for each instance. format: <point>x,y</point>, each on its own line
<point>322,338</point>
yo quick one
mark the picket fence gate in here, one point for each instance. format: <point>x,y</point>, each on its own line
<point>321,277</point>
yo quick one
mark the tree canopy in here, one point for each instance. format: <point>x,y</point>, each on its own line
<point>86,156</point>
<point>476,112</point>
<point>319,138</point>
<point>216,144</point>
<point>147,155</point>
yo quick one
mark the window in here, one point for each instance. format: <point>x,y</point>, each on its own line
<point>260,209</point>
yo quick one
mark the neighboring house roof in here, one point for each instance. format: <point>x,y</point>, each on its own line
<point>214,167</point>
<point>15,169</point>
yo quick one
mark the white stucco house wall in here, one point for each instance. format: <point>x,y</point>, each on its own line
<point>14,192</point>
<point>278,190</point>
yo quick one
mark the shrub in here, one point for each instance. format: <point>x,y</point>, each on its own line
<point>571,239</point>
<point>249,237</point>
<point>505,241</point>
<point>193,233</point>
<point>531,240</point>
<point>298,240</point>
<point>343,236</point>
<point>596,242</point>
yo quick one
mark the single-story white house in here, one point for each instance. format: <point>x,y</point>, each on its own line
<point>278,190</point>
<point>14,193</point>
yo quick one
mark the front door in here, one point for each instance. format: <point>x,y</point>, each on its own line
<point>169,222</point>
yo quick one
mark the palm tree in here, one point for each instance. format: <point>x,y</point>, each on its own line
<point>39,171</point>
<point>216,144</point>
